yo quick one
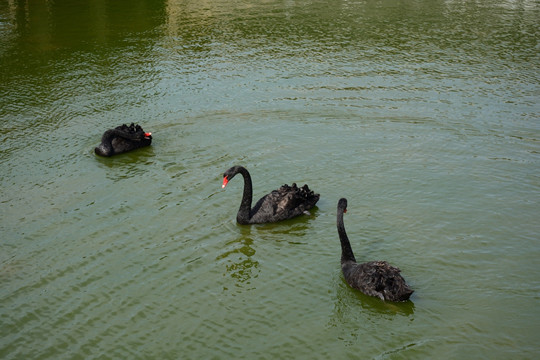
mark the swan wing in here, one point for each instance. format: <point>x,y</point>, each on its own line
<point>379,279</point>
<point>284,203</point>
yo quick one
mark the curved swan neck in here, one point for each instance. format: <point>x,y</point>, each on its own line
<point>244,215</point>
<point>346,250</point>
<point>106,148</point>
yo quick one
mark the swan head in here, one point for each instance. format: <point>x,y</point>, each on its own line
<point>229,174</point>
<point>342,205</point>
<point>137,130</point>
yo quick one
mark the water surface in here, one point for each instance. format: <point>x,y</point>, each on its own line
<point>424,114</point>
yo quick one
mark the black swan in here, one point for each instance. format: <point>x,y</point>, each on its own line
<point>122,139</point>
<point>284,203</point>
<point>374,278</point>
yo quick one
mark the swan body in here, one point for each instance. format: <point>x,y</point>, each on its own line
<point>281,204</point>
<point>374,278</point>
<point>123,139</point>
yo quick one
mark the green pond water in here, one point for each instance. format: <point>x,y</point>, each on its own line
<point>425,115</point>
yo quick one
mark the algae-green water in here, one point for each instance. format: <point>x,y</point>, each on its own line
<point>424,114</point>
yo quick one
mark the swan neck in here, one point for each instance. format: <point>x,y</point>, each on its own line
<point>245,205</point>
<point>346,250</point>
<point>106,148</point>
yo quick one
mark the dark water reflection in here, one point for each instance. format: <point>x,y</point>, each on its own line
<point>239,255</point>
<point>46,26</point>
<point>51,51</point>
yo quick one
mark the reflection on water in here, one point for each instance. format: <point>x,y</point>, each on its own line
<point>357,317</point>
<point>350,301</point>
<point>293,230</point>
<point>241,264</point>
<point>130,164</point>
<point>45,26</point>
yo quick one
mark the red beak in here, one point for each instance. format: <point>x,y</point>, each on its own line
<point>225,181</point>
<point>147,135</point>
